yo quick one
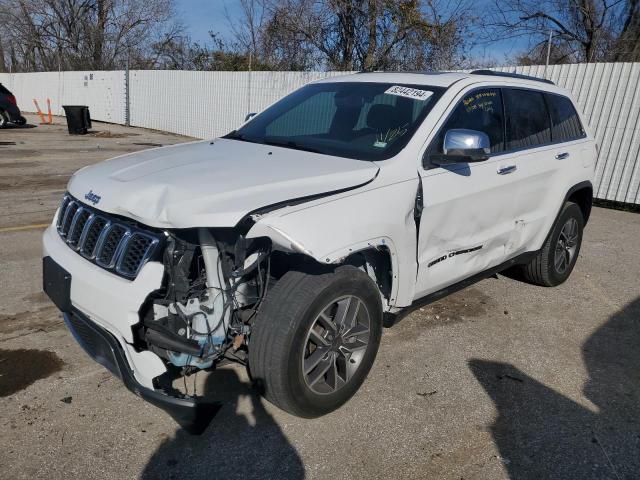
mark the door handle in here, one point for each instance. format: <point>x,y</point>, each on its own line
<point>562,156</point>
<point>507,169</point>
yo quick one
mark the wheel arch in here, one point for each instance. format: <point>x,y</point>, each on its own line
<point>378,263</point>
<point>582,195</point>
<point>378,257</point>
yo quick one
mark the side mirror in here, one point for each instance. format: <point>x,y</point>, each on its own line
<point>463,146</point>
<point>249,116</point>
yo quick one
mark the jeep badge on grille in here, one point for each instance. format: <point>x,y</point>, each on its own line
<point>92,197</point>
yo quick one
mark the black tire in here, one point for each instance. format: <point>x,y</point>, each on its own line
<point>279,342</point>
<point>4,119</point>
<point>543,269</point>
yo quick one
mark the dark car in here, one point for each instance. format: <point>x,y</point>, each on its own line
<point>9,111</point>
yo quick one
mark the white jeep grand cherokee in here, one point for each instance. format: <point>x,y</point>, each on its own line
<point>286,244</point>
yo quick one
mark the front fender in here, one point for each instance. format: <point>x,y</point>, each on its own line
<point>331,229</point>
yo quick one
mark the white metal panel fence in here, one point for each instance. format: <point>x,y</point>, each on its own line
<point>103,91</point>
<point>209,104</point>
<point>609,96</point>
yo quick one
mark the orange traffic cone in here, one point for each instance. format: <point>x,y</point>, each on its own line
<point>40,114</point>
<point>49,112</point>
<point>44,120</point>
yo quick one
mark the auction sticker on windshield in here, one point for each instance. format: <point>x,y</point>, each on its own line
<point>407,92</point>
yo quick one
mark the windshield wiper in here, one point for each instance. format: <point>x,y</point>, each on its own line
<point>234,135</point>
<point>289,144</point>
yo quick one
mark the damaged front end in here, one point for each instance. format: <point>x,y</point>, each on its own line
<point>189,303</point>
<point>192,413</point>
<point>215,280</point>
<point>210,284</point>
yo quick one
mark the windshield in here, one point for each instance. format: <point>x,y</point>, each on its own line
<point>364,121</point>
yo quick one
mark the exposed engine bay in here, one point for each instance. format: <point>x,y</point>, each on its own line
<point>211,293</point>
<point>214,284</point>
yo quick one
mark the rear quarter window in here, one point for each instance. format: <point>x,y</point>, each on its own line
<point>526,120</point>
<point>564,118</point>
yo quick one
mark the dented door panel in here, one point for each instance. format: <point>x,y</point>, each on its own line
<point>467,222</point>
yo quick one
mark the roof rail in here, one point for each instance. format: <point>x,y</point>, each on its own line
<point>420,72</point>
<point>510,75</point>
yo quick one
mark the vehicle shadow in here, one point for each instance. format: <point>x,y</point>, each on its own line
<point>542,434</point>
<point>234,446</point>
<point>11,126</point>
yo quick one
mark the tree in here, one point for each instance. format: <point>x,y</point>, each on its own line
<point>261,32</point>
<point>354,34</point>
<point>182,54</point>
<point>626,47</point>
<point>558,53</point>
<point>85,34</point>
<point>268,35</point>
<point>583,30</point>
<point>3,65</point>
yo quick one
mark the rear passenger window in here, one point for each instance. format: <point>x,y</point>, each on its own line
<point>480,110</point>
<point>564,119</point>
<point>527,119</point>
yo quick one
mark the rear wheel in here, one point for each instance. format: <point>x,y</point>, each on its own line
<point>555,262</point>
<point>4,119</point>
<point>315,339</point>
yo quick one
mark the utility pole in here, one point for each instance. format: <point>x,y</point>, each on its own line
<point>60,83</point>
<point>127,111</point>
<point>249,83</point>
<point>546,65</point>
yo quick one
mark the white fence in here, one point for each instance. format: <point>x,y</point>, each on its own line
<point>104,92</point>
<point>198,104</point>
<point>609,97</point>
<point>209,104</point>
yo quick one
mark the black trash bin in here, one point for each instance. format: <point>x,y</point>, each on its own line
<point>78,119</point>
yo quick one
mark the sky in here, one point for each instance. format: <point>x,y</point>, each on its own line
<point>202,16</point>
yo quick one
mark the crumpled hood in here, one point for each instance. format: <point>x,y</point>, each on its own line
<point>211,184</point>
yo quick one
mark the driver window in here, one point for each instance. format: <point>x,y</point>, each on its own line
<point>479,110</point>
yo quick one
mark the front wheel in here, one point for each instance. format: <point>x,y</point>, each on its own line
<point>315,339</point>
<point>4,119</point>
<point>555,262</point>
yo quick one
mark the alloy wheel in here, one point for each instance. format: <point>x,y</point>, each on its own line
<point>335,345</point>
<point>566,245</point>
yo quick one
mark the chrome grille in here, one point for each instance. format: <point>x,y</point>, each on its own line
<point>105,240</point>
<point>77,226</point>
<point>134,253</point>
<point>67,218</point>
<point>109,241</point>
<point>90,236</point>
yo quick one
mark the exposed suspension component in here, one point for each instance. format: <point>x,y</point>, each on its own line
<point>213,286</point>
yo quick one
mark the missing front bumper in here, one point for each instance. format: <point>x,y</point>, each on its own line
<point>192,413</point>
